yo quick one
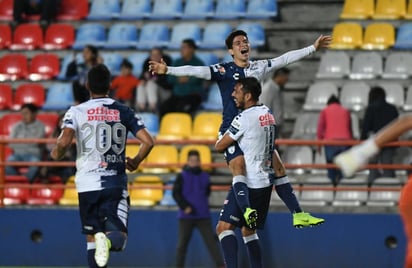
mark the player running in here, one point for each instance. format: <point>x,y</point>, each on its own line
<point>226,75</point>
<point>100,126</point>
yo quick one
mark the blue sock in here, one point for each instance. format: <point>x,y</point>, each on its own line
<point>241,193</point>
<point>117,240</point>
<point>229,246</point>
<point>91,248</point>
<point>286,193</point>
<point>253,249</point>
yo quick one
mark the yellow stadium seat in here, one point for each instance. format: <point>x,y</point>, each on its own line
<point>145,194</point>
<point>347,35</point>
<point>70,196</point>
<point>379,36</point>
<point>164,155</point>
<point>175,126</point>
<point>205,155</point>
<point>358,9</point>
<point>206,126</point>
<point>390,9</point>
<point>408,14</point>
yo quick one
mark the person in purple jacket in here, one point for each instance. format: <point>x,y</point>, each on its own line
<point>191,191</point>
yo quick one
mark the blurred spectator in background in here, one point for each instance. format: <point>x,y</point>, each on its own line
<point>272,95</point>
<point>124,85</point>
<point>191,191</point>
<point>378,114</point>
<point>187,90</point>
<point>47,9</point>
<point>28,128</point>
<point>334,124</point>
<point>63,172</point>
<point>153,88</point>
<point>77,71</point>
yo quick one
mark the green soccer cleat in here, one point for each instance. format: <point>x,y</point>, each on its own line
<point>101,255</point>
<point>250,216</point>
<point>303,219</point>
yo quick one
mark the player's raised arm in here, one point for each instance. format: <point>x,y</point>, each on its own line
<point>187,70</point>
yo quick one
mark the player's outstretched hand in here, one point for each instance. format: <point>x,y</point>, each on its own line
<point>157,67</point>
<point>323,41</point>
<point>131,164</point>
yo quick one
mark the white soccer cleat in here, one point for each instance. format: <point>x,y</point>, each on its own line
<point>101,255</point>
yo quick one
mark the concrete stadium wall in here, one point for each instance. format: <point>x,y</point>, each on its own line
<point>344,241</point>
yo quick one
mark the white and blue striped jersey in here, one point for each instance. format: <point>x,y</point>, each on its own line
<point>101,126</point>
<point>226,75</point>
<point>254,130</point>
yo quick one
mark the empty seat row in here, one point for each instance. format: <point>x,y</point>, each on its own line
<point>378,36</point>
<point>189,9</point>
<point>354,95</point>
<point>383,9</point>
<point>365,65</point>
<point>58,96</point>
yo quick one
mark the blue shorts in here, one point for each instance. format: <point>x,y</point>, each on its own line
<point>259,200</point>
<point>104,211</point>
<point>232,151</point>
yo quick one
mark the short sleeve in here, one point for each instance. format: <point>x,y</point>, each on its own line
<point>69,119</point>
<point>218,72</point>
<point>237,127</point>
<point>134,121</point>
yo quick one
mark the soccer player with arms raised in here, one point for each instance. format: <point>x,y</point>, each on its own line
<point>226,75</point>
<point>100,127</point>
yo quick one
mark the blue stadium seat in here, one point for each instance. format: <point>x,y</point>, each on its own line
<point>135,9</point>
<point>404,36</point>
<point>59,97</point>
<point>208,58</point>
<point>151,122</point>
<point>169,9</point>
<point>227,58</point>
<point>215,33</point>
<point>255,33</point>
<point>198,9</point>
<point>153,35</point>
<point>182,31</point>
<point>261,9</point>
<point>122,35</point>
<point>214,100</point>
<point>230,9</point>
<point>112,61</point>
<point>137,59</point>
<point>104,10</point>
<point>90,33</point>
<point>65,63</point>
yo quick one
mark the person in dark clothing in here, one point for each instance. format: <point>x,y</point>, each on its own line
<point>47,9</point>
<point>191,191</point>
<point>187,91</point>
<point>153,89</point>
<point>77,71</point>
<point>378,114</point>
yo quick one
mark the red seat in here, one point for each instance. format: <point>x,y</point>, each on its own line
<point>50,121</point>
<point>16,191</point>
<point>6,10</point>
<point>16,179</point>
<point>7,122</point>
<point>44,67</point>
<point>27,36</point>
<point>5,36</point>
<point>44,195</point>
<point>73,10</point>
<point>13,67</point>
<point>6,96</point>
<point>59,36</point>
<point>29,93</point>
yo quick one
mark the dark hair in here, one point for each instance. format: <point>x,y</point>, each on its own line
<point>127,64</point>
<point>93,50</point>
<point>281,71</point>
<point>232,35</point>
<point>190,42</point>
<point>251,85</point>
<point>31,106</point>
<point>376,93</point>
<point>193,153</point>
<point>333,99</point>
<point>99,79</point>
